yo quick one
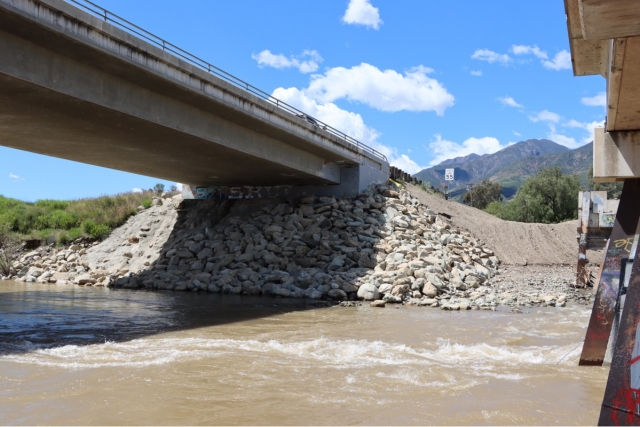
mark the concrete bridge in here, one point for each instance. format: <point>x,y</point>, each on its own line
<point>80,83</point>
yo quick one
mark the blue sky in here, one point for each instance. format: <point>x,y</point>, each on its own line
<point>420,80</point>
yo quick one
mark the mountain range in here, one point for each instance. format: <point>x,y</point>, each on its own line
<point>509,166</point>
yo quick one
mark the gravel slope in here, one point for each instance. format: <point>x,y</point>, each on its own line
<point>514,243</point>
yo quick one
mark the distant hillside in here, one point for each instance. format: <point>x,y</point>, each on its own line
<point>460,160</point>
<point>509,166</point>
<point>573,161</point>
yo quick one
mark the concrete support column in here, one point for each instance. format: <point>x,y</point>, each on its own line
<point>616,155</point>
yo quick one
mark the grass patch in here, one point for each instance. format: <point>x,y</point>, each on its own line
<point>63,221</point>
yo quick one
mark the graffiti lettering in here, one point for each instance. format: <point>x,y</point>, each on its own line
<point>607,220</point>
<point>626,404</point>
<point>624,244</point>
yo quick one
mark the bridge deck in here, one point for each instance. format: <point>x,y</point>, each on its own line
<point>76,87</point>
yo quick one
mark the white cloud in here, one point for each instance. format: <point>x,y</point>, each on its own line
<point>573,124</point>
<point>590,125</point>
<point>476,73</point>
<point>15,178</point>
<point>562,61</point>
<point>361,12</point>
<point>561,139</point>
<point>587,127</point>
<point>545,116</point>
<point>517,133</point>
<point>600,100</point>
<point>385,90</point>
<point>137,190</point>
<point>529,50</point>
<point>443,149</point>
<point>509,101</point>
<point>491,56</point>
<point>307,62</point>
<point>406,164</point>
<point>348,122</point>
<point>572,142</point>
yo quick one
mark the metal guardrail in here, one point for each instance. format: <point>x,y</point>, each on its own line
<point>212,69</point>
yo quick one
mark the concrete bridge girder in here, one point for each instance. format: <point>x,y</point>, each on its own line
<point>92,93</point>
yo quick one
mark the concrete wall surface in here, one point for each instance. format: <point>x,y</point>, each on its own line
<point>616,155</point>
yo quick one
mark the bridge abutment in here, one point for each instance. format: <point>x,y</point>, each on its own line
<point>354,179</point>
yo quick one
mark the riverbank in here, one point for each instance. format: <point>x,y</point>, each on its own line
<point>384,247</point>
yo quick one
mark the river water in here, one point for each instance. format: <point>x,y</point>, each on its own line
<point>74,355</point>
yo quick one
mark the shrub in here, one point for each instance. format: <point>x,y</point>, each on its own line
<point>146,203</point>
<point>63,221</point>
<point>64,237</point>
<point>97,231</point>
<point>483,194</point>
<point>498,209</point>
<point>548,197</point>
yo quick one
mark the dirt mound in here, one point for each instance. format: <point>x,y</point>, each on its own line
<point>514,243</point>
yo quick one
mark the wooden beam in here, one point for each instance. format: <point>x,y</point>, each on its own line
<point>609,19</point>
<point>614,80</point>
<point>588,57</point>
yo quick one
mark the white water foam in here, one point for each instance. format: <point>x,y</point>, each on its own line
<point>338,354</point>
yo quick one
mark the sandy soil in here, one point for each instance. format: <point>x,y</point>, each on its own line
<point>514,243</point>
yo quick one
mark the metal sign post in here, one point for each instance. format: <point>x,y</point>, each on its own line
<point>448,174</point>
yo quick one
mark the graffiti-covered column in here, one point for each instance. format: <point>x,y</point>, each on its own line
<point>617,252</point>
<point>621,403</point>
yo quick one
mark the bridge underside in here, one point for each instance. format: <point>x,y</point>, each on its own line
<point>36,119</point>
<point>76,88</point>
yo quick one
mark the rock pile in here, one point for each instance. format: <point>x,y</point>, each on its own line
<point>76,264</point>
<point>54,265</point>
<point>383,247</point>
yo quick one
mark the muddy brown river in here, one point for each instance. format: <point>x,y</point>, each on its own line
<point>87,356</point>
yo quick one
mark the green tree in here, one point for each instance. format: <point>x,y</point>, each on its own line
<point>482,194</point>
<point>159,188</point>
<point>548,197</point>
<point>613,189</point>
